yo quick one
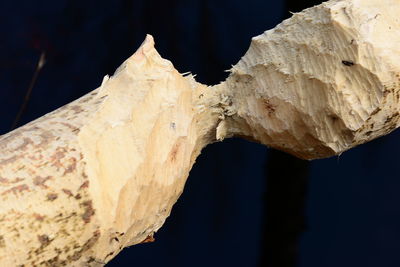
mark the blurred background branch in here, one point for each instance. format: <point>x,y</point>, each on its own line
<point>28,93</point>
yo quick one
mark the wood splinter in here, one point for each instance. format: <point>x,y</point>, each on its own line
<point>103,172</point>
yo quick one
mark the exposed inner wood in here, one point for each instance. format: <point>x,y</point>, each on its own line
<point>323,81</point>
<point>103,172</point>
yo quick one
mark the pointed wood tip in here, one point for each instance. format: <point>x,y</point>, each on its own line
<point>144,49</point>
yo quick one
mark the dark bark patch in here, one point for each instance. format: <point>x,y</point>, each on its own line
<point>41,181</point>
<point>44,240</point>
<point>52,196</point>
<point>2,242</point>
<point>70,126</point>
<point>70,167</point>
<point>89,243</point>
<point>84,185</point>
<point>26,142</point>
<point>17,189</point>
<point>38,217</point>
<point>8,181</point>
<point>67,192</point>
<point>89,211</point>
<point>57,156</point>
<point>77,109</point>
<point>9,160</point>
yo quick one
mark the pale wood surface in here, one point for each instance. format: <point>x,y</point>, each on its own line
<point>103,172</point>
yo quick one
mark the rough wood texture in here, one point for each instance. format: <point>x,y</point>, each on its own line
<point>323,81</point>
<point>102,173</point>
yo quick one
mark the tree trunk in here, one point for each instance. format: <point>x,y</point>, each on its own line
<point>103,172</point>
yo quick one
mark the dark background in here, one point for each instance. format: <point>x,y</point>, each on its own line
<point>243,205</point>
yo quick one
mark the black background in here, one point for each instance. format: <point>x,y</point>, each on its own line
<point>243,205</point>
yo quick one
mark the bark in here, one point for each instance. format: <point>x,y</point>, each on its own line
<point>103,172</point>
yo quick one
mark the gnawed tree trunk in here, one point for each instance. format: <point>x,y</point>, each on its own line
<point>103,172</point>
